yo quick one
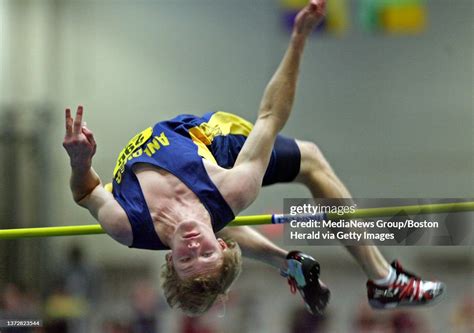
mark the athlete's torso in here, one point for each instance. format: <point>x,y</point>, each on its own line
<point>168,198</point>
<point>162,175</point>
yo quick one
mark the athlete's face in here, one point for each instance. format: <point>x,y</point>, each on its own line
<point>195,250</point>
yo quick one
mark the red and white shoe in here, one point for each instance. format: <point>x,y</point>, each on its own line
<point>407,290</point>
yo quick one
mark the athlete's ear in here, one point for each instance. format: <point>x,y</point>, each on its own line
<point>222,243</point>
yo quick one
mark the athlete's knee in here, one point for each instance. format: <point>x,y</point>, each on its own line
<point>312,160</point>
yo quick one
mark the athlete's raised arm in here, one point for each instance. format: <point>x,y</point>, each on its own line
<point>80,145</point>
<point>85,184</point>
<point>275,108</point>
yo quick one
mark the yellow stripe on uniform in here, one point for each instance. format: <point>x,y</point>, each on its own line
<point>109,187</point>
<point>220,124</point>
<point>131,147</point>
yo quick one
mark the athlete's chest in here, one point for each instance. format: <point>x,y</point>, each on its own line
<point>163,190</point>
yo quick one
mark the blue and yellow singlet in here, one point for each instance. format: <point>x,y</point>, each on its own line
<point>178,146</point>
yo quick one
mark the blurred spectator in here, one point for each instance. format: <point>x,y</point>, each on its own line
<point>116,326</point>
<point>303,322</point>
<point>196,325</point>
<point>56,326</point>
<point>463,317</point>
<point>251,309</point>
<point>80,277</point>
<point>81,286</point>
<point>368,320</point>
<point>63,311</point>
<point>408,322</point>
<point>16,302</point>
<point>145,305</point>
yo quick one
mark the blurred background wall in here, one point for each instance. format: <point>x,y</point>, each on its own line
<point>393,115</point>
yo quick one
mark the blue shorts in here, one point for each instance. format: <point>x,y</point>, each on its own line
<point>227,137</point>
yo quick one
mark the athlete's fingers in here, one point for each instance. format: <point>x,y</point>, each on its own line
<point>89,135</point>
<point>87,132</point>
<point>69,122</point>
<point>322,7</point>
<point>78,120</point>
<point>319,5</point>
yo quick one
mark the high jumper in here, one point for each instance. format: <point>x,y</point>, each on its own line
<point>178,184</point>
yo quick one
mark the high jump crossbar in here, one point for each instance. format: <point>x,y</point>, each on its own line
<point>92,229</point>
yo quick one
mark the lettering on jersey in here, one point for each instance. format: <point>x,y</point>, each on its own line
<point>134,149</point>
<point>156,143</point>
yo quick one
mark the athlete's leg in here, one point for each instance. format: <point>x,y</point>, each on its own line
<point>318,176</point>
<point>389,286</point>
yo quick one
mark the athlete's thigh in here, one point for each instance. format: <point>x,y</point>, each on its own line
<point>312,160</point>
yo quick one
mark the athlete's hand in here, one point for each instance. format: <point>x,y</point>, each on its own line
<point>79,141</point>
<point>309,17</point>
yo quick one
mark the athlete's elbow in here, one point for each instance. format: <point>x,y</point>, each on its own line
<point>274,122</point>
<point>81,199</point>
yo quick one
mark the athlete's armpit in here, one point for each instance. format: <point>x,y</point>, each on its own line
<point>241,186</point>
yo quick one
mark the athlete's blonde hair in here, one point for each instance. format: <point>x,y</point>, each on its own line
<point>195,295</point>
